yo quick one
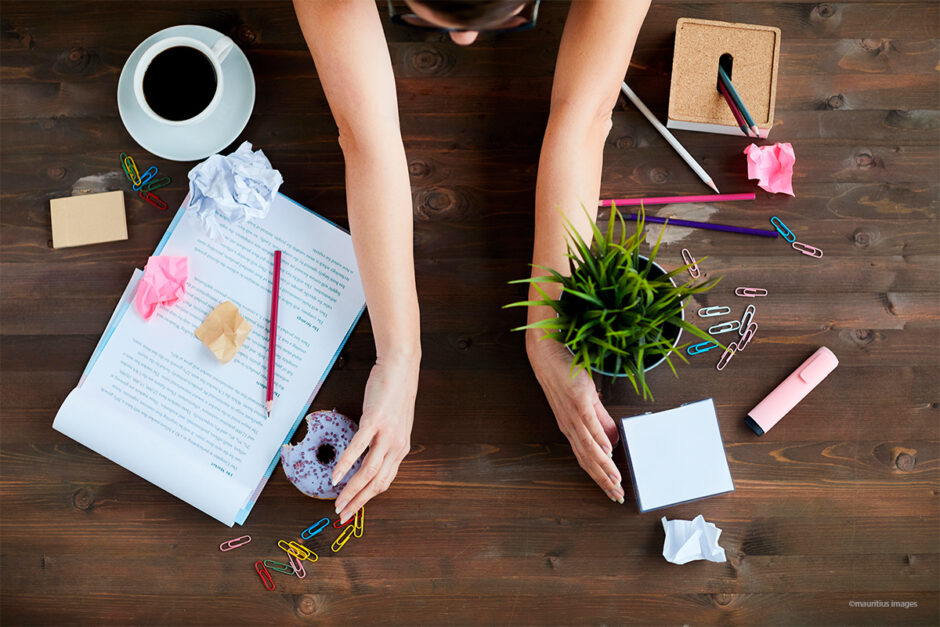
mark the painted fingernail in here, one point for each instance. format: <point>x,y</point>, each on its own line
<point>333,479</point>
<point>343,519</point>
<point>339,506</point>
<point>620,500</point>
<point>615,479</point>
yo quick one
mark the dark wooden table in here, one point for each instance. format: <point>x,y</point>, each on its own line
<point>490,520</point>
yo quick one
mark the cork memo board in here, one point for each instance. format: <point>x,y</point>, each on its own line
<point>694,100</point>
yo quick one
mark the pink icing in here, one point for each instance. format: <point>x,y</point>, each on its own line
<point>310,475</point>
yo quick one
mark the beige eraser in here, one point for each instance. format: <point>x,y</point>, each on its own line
<point>88,219</point>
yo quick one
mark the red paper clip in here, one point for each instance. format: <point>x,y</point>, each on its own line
<point>265,575</point>
<point>338,525</point>
<point>806,249</point>
<point>726,357</point>
<point>234,543</point>
<point>153,199</point>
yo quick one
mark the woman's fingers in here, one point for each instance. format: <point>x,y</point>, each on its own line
<point>357,446</point>
<point>379,484</point>
<point>596,463</point>
<point>607,423</point>
<point>369,469</point>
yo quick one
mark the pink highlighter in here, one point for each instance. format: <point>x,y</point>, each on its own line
<point>793,390</point>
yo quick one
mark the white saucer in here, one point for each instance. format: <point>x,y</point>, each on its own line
<point>197,141</point>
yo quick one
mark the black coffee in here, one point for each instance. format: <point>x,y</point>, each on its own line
<point>179,83</point>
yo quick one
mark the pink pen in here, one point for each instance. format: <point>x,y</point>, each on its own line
<point>793,390</point>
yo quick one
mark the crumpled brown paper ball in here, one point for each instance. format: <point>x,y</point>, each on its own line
<point>224,331</point>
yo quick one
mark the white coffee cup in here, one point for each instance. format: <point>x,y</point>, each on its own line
<point>216,55</point>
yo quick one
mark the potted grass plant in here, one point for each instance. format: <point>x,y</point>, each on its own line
<point>619,313</point>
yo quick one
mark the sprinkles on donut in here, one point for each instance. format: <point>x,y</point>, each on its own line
<point>309,463</point>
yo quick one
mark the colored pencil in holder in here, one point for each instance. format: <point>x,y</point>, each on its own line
<point>734,110</point>
<point>726,81</point>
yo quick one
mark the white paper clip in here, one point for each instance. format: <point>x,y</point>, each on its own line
<point>806,249</point>
<point>747,318</point>
<point>690,261</point>
<point>725,327</point>
<point>727,355</point>
<point>750,292</point>
<point>707,312</point>
<point>747,336</point>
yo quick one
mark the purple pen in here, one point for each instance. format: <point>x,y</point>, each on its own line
<point>706,225</point>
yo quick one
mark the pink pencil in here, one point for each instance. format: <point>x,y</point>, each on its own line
<point>666,200</point>
<point>272,334</point>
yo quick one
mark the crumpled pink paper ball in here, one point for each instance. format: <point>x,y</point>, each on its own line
<point>163,283</point>
<point>772,166</point>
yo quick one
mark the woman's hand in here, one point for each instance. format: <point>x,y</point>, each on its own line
<point>578,410</point>
<point>385,429</point>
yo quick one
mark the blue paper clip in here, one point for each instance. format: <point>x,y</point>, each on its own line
<point>315,528</point>
<point>146,176</point>
<point>747,318</point>
<point>702,347</point>
<point>785,232</point>
<point>725,327</point>
<point>706,312</point>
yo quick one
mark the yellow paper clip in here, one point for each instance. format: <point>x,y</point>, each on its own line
<point>132,170</point>
<point>358,522</point>
<point>343,538</point>
<point>285,545</point>
<point>303,552</point>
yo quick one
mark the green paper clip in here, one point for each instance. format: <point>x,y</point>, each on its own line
<point>279,567</point>
<point>156,184</point>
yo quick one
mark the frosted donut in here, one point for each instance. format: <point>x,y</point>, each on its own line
<point>309,463</point>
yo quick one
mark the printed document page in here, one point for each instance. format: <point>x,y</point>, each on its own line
<point>155,400</point>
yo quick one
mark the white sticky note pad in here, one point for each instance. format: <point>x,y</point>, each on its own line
<point>676,455</point>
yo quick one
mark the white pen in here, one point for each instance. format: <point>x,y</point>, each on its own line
<point>702,174</point>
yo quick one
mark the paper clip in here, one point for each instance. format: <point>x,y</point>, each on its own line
<point>338,525</point>
<point>747,336</point>
<point>342,539</point>
<point>285,545</point>
<point>153,199</point>
<point>131,168</point>
<point>747,318</point>
<point>708,312</point>
<point>785,232</point>
<point>279,567</point>
<point>297,565</point>
<point>725,327</point>
<point>265,575</point>
<point>702,347</point>
<point>156,184</point>
<point>315,528</point>
<point>234,543</point>
<point>301,551</point>
<point>806,249</point>
<point>127,172</point>
<point>750,292</point>
<point>359,519</point>
<point>146,176</point>
<point>726,357</point>
<point>690,261</point>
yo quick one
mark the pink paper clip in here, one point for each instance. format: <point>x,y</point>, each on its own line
<point>747,336</point>
<point>727,355</point>
<point>265,575</point>
<point>806,249</point>
<point>750,292</point>
<point>690,261</point>
<point>297,565</point>
<point>234,543</point>
<point>153,199</point>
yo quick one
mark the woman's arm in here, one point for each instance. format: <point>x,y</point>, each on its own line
<point>348,47</point>
<point>593,58</point>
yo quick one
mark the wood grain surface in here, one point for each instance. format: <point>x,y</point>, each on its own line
<point>490,520</point>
